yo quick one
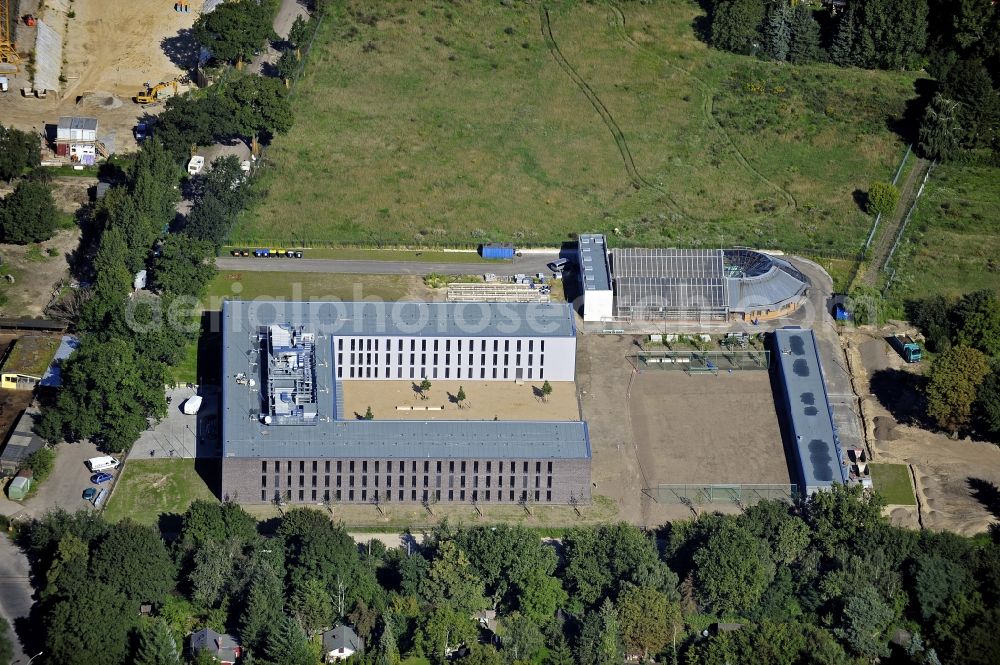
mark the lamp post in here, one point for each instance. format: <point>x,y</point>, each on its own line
<point>34,657</point>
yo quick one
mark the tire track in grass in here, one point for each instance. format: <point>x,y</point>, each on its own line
<point>638,180</point>
<point>707,106</point>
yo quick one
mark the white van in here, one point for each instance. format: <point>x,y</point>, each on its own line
<point>196,164</point>
<point>102,463</point>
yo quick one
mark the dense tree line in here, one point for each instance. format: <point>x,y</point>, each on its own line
<point>825,581</point>
<point>957,41</point>
<point>963,383</point>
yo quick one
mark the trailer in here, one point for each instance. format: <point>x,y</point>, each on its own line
<point>907,347</point>
<point>498,250</point>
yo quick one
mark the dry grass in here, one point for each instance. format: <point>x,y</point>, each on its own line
<point>453,125</point>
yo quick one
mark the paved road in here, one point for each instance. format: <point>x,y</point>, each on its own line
<point>527,264</point>
<point>283,20</point>
<point>15,590</point>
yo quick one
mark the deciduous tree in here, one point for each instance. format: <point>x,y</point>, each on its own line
<point>648,620</point>
<point>736,25</point>
<point>953,384</point>
<point>29,213</point>
<point>18,151</point>
<point>234,30</point>
<point>732,569</point>
<point>882,198</point>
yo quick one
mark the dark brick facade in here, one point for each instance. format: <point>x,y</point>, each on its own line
<point>315,480</point>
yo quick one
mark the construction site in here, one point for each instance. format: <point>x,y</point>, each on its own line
<point>78,59</point>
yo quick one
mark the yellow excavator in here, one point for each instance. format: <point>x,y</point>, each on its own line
<point>154,92</point>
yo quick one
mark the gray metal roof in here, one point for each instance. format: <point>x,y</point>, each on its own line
<point>407,318</point>
<point>821,461</point>
<point>244,435</point>
<point>594,269</point>
<point>23,441</point>
<point>77,122</point>
<point>759,281</point>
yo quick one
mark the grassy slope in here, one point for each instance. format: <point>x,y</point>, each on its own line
<point>148,488</point>
<point>952,245</point>
<point>305,286</point>
<point>452,131</point>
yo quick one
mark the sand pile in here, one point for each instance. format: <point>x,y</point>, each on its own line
<point>99,99</point>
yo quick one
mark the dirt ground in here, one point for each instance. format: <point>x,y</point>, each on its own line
<point>484,400</point>
<point>37,275</point>
<point>707,429</point>
<point>110,51</point>
<point>956,481</point>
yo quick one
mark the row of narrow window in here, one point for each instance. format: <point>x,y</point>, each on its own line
<point>386,496</point>
<point>366,344</point>
<point>362,367</point>
<point>473,481</point>
<point>400,466</point>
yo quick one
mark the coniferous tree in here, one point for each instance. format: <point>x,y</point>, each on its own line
<point>804,46</point>
<point>778,31</point>
<point>287,644</point>
<point>261,613</point>
<point>157,645</point>
<point>842,49</point>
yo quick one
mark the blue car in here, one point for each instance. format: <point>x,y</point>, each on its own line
<point>89,493</point>
<point>99,478</point>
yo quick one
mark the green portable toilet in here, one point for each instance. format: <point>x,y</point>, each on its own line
<point>18,488</point>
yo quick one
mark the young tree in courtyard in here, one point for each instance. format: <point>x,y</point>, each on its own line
<point>425,387</point>
<point>546,390</point>
<point>368,414</point>
<point>460,396</point>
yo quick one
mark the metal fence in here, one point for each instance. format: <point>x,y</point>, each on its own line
<point>704,360</point>
<point>737,494</point>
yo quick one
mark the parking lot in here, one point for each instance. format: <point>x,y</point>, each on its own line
<point>64,486</point>
<point>181,435</point>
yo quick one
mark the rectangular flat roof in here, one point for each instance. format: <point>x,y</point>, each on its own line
<point>594,262</point>
<point>245,435</point>
<point>77,122</point>
<point>808,406</point>
<point>670,279</point>
<point>406,318</point>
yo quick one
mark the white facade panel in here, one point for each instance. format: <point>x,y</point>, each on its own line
<point>397,358</point>
<point>598,305</point>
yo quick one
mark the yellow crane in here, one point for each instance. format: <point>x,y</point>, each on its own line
<point>8,54</point>
<point>152,93</point>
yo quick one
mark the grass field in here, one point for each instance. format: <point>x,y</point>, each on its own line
<point>952,245</point>
<point>892,481</point>
<point>455,124</point>
<point>148,488</point>
<point>307,286</point>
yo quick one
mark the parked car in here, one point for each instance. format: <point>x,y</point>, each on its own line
<point>103,494</point>
<point>89,493</point>
<point>100,478</point>
<point>196,165</point>
<point>558,265</point>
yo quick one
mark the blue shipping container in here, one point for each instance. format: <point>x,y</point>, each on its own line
<point>498,250</point>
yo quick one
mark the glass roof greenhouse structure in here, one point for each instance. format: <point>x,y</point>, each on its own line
<point>703,284</point>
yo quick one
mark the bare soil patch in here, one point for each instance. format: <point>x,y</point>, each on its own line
<point>111,49</point>
<point>707,429</point>
<point>956,481</point>
<point>485,400</point>
<point>38,277</point>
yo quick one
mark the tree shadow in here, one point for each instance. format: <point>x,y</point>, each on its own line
<point>907,125</point>
<point>902,394</point>
<point>860,199</point>
<point>182,49</point>
<point>170,525</point>
<point>537,392</point>
<point>701,25</point>
<point>986,493</point>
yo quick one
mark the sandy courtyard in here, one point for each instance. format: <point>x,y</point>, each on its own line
<point>485,400</point>
<point>707,429</point>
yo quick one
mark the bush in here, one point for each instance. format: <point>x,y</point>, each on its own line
<point>40,462</point>
<point>882,198</point>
